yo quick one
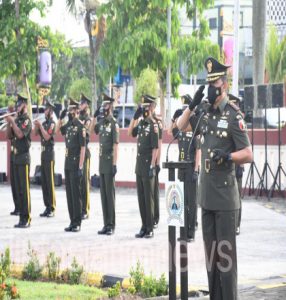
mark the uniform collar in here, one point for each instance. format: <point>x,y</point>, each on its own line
<point>76,121</point>
<point>222,105</point>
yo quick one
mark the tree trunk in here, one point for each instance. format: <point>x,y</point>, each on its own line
<point>162,101</point>
<point>258,44</point>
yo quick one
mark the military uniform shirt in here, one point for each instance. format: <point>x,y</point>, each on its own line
<point>86,120</point>
<point>75,137</point>
<point>48,146</point>
<point>147,140</point>
<point>223,128</point>
<point>21,146</point>
<point>108,131</point>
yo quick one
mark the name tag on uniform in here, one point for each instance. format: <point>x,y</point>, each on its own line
<point>189,134</point>
<point>222,124</point>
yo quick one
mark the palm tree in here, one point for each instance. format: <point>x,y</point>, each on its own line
<point>275,59</point>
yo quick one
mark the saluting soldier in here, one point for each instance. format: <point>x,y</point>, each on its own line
<point>16,200</point>
<point>20,131</point>
<point>108,131</point>
<point>47,131</point>
<point>146,130</point>
<point>86,121</point>
<point>224,143</point>
<point>189,150</point>
<point>75,136</point>
<point>158,120</point>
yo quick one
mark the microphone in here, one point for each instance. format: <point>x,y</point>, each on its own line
<point>167,154</point>
<point>203,112</point>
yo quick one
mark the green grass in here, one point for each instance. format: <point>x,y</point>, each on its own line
<point>52,291</point>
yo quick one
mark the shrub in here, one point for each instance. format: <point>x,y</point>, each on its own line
<point>137,276</point>
<point>114,291</point>
<point>5,262</point>
<point>32,270</point>
<point>53,266</point>
<point>74,274</point>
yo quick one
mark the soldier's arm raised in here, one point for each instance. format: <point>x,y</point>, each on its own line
<point>17,131</point>
<point>9,131</point>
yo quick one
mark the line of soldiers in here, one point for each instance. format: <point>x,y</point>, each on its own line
<point>222,142</point>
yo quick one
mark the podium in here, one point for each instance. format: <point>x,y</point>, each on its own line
<point>172,166</point>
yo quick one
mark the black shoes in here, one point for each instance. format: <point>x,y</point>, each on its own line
<point>238,231</point>
<point>45,213</point>
<point>155,224</point>
<point>103,230</point>
<point>22,225</point>
<point>149,235</point>
<point>72,228</point>
<point>141,234</point>
<point>50,214</point>
<point>84,216</point>
<point>106,230</point>
<point>15,213</point>
<point>76,228</point>
<point>109,231</point>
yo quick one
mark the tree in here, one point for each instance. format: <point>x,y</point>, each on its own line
<point>79,86</point>
<point>275,59</point>
<point>147,83</point>
<point>14,52</point>
<point>136,38</point>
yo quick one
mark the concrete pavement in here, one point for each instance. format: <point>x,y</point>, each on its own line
<point>261,245</point>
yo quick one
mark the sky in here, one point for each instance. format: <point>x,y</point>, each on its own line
<point>59,19</point>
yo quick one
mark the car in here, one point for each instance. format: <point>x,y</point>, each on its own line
<point>124,114</point>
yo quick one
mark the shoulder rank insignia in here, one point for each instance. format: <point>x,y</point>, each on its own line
<point>234,106</point>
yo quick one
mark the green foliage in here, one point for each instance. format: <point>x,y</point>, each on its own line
<point>79,86</point>
<point>53,265</point>
<point>114,291</point>
<point>32,269</point>
<point>17,50</point>
<point>137,276</point>
<point>275,58</point>
<point>8,291</point>
<point>6,100</point>
<point>147,83</point>
<point>5,262</point>
<point>73,275</point>
<point>147,286</point>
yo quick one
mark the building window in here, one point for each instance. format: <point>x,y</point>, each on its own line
<point>213,23</point>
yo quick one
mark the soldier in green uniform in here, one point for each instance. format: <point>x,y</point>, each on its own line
<point>47,132</point>
<point>158,120</point>
<point>224,143</point>
<point>86,121</point>
<point>189,150</point>
<point>20,131</point>
<point>108,131</point>
<point>16,211</point>
<point>146,130</point>
<point>75,136</point>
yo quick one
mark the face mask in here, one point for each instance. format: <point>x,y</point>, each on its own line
<point>213,93</point>
<point>82,112</point>
<point>145,111</point>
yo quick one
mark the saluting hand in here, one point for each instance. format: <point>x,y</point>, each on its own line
<point>97,112</point>
<point>63,114</point>
<point>138,113</point>
<point>199,95</point>
<point>177,114</point>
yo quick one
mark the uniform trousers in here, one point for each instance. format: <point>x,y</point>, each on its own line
<point>145,193</point>
<point>72,181</point>
<point>13,186</point>
<point>85,187</point>
<point>22,184</point>
<point>156,199</point>
<point>107,193</point>
<point>48,184</point>
<point>219,235</point>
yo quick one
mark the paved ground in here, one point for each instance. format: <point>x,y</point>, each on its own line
<point>261,245</point>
